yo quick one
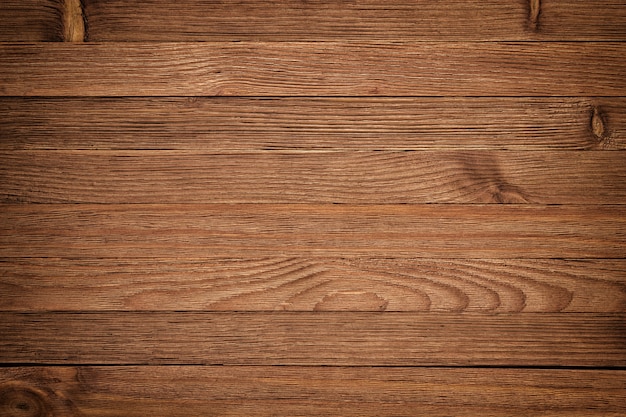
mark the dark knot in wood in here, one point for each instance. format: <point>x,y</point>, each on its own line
<point>17,401</point>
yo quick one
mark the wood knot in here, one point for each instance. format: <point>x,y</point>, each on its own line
<point>74,27</point>
<point>16,401</point>
<point>352,301</point>
<point>598,125</point>
<point>534,13</point>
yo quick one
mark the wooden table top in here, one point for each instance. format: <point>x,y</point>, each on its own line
<point>312,208</point>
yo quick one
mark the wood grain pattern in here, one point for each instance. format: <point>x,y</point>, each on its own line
<point>186,20</point>
<point>314,69</point>
<point>230,230</point>
<point>304,391</point>
<point>301,338</point>
<point>339,177</point>
<point>313,284</point>
<point>31,20</point>
<point>218,124</point>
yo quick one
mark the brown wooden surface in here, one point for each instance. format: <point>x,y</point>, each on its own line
<point>312,338</point>
<point>208,208</point>
<point>304,391</point>
<point>314,284</point>
<point>226,124</point>
<point>31,20</point>
<point>288,20</point>
<point>314,69</point>
<point>203,230</point>
<point>344,177</point>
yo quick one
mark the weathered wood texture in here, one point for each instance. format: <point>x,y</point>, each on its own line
<point>314,68</point>
<point>31,20</point>
<point>292,20</point>
<point>346,177</point>
<point>313,284</point>
<point>301,338</point>
<point>124,20</point>
<point>304,391</point>
<point>204,230</point>
<point>225,124</point>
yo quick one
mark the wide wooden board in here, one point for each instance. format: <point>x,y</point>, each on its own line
<point>314,69</point>
<point>557,177</point>
<point>252,230</point>
<point>218,124</point>
<point>258,391</point>
<point>303,338</point>
<point>289,20</point>
<point>313,284</point>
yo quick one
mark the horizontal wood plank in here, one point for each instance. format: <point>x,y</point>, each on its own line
<point>252,230</point>
<point>329,338</point>
<point>231,230</point>
<point>218,124</point>
<point>31,20</point>
<point>314,69</point>
<point>311,391</point>
<point>575,177</point>
<point>313,284</point>
<point>293,20</point>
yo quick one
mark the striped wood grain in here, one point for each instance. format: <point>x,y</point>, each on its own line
<point>31,20</point>
<point>243,124</point>
<point>159,391</point>
<point>292,20</point>
<point>314,68</point>
<point>228,230</point>
<point>187,20</point>
<point>301,338</point>
<point>313,284</point>
<point>575,177</point>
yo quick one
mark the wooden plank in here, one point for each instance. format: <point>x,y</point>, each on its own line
<point>31,20</point>
<point>301,338</point>
<point>337,177</point>
<point>314,69</point>
<point>315,20</point>
<point>311,391</point>
<point>313,284</point>
<point>242,124</point>
<point>230,230</point>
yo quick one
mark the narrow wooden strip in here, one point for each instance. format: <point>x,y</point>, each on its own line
<point>31,20</point>
<point>340,177</point>
<point>340,338</point>
<point>311,391</point>
<point>313,284</point>
<point>243,124</point>
<point>163,20</point>
<point>316,68</point>
<point>232,230</point>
